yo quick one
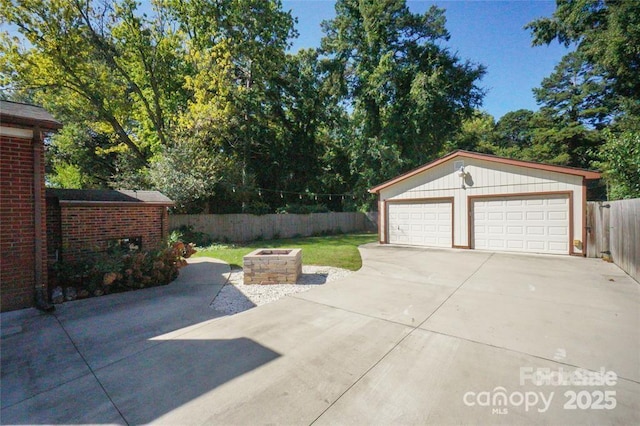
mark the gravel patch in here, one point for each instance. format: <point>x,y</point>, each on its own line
<point>236,297</point>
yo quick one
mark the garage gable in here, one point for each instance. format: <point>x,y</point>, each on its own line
<point>475,181</point>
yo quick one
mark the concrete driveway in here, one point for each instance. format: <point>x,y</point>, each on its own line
<point>417,336</point>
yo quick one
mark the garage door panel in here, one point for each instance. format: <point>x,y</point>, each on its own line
<point>496,230</point>
<point>532,224</point>
<point>557,246</point>
<point>514,216</point>
<point>557,230</point>
<point>534,215</point>
<point>535,230</point>
<point>515,244</point>
<point>535,245</point>
<point>557,215</point>
<point>515,230</point>
<point>534,202</point>
<point>428,224</point>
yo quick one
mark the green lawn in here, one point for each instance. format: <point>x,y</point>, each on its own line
<point>340,251</point>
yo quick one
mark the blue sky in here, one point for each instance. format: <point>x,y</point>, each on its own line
<point>486,32</point>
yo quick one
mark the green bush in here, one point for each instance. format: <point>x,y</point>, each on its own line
<point>621,164</point>
<point>258,208</point>
<point>302,209</point>
<point>187,234</point>
<point>112,272</point>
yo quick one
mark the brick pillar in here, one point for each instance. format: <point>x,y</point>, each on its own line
<point>18,193</point>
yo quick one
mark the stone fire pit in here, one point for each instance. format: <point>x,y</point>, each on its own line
<point>273,266</point>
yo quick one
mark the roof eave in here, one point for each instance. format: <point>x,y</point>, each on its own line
<point>85,203</point>
<point>586,174</point>
<point>50,125</point>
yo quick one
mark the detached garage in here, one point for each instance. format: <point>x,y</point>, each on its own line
<point>480,201</point>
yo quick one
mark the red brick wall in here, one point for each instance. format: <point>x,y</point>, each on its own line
<point>17,228</point>
<point>90,228</point>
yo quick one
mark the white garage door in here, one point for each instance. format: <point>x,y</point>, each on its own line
<point>538,224</point>
<point>422,224</point>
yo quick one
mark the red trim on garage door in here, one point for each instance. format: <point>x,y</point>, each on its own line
<point>418,201</point>
<point>471,199</point>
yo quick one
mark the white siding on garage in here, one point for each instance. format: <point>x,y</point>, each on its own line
<point>535,224</point>
<point>422,224</point>
<point>484,178</point>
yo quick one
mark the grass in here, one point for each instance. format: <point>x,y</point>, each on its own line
<point>340,251</point>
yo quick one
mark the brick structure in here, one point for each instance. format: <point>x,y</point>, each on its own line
<point>23,245</point>
<point>90,221</point>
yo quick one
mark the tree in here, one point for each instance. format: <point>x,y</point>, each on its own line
<point>607,34</point>
<point>80,158</point>
<point>515,129</point>
<point>304,113</point>
<point>407,95</point>
<point>476,133</point>
<point>577,101</point>
<point>621,164</point>
<point>96,62</point>
<point>237,52</point>
<point>188,173</point>
<point>200,72</point>
<point>576,92</point>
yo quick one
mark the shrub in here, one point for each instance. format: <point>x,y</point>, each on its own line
<point>621,164</point>
<point>110,272</point>
<point>258,208</point>
<point>302,209</point>
<point>187,234</point>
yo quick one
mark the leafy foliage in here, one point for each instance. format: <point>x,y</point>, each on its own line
<point>187,172</point>
<point>607,33</point>
<point>597,86</point>
<point>621,164</point>
<point>101,64</point>
<point>407,93</point>
<point>113,271</point>
<point>302,209</point>
<point>201,100</point>
<point>190,236</point>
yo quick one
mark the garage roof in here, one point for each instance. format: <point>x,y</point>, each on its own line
<point>586,174</point>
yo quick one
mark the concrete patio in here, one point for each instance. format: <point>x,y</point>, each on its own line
<point>417,336</point>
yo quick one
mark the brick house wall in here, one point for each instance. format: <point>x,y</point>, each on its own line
<point>54,231</point>
<point>90,227</point>
<point>21,161</point>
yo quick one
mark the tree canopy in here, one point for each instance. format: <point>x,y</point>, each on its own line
<point>406,93</point>
<point>203,100</point>
<point>606,63</point>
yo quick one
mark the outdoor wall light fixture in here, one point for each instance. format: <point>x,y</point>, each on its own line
<point>462,175</point>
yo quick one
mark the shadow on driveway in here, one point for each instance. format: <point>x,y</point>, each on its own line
<point>200,367</point>
<point>40,352</point>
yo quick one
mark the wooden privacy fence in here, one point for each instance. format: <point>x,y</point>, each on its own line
<point>614,231</point>
<point>247,227</point>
